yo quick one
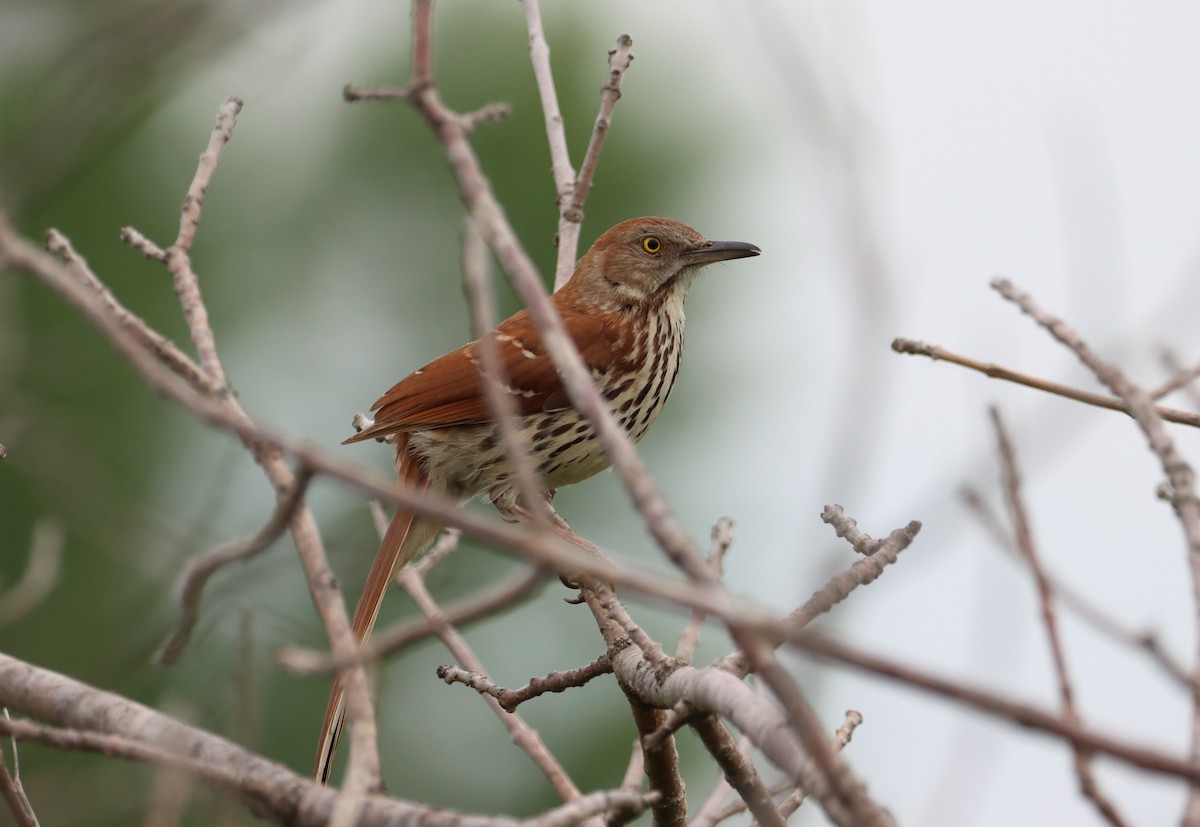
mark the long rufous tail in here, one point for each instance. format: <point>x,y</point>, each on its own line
<point>406,535</point>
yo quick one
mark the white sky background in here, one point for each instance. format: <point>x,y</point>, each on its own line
<point>1055,144</point>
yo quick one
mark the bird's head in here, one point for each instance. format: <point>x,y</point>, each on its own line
<point>647,259</point>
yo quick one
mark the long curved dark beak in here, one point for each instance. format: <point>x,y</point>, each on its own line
<point>720,251</point>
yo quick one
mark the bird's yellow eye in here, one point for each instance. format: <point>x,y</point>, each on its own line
<point>651,244</point>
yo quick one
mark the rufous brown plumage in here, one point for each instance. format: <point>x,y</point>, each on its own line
<point>623,308</point>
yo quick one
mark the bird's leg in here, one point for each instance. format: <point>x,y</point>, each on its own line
<point>551,520</point>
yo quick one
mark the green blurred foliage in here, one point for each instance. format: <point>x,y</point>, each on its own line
<point>328,255</point>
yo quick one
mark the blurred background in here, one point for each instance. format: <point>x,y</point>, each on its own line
<point>888,158</point>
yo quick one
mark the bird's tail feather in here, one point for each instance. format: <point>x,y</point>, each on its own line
<point>406,535</point>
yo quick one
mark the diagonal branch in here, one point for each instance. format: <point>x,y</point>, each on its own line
<point>11,788</point>
<point>738,770</point>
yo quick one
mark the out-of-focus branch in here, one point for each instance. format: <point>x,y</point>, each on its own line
<point>998,706</point>
<point>1183,378</point>
<point>204,566</point>
<point>738,770</point>
<point>11,789</point>
<point>722,539</point>
<point>1147,641</point>
<point>484,603</point>
<point>841,739</point>
<point>40,575</point>
<point>1046,599</point>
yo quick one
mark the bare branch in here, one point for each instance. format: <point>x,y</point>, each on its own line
<point>881,554</point>
<point>178,255</point>
<point>103,311</point>
<point>510,699</point>
<point>722,539</point>
<point>619,59</point>
<point>1146,641</point>
<point>936,353</point>
<point>523,735</point>
<point>739,772</point>
<point>556,136</point>
<point>11,789</point>
<point>1183,378</point>
<point>484,603</point>
<point>1046,599</point>
<point>841,738</point>
<point>143,245</point>
<point>40,575</point>
<point>660,763</point>
<point>155,343</point>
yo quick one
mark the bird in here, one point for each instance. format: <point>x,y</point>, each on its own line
<point>623,308</point>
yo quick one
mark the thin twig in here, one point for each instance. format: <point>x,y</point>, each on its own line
<point>861,573</point>
<point>510,699</point>
<point>11,788</point>
<point>523,735</point>
<point>571,189</point>
<point>879,555</point>
<point>722,539</point>
<point>203,566</point>
<point>556,136</point>
<point>619,59</point>
<point>178,255</point>
<point>484,603</point>
<point>1147,642</point>
<point>1183,378</point>
<point>915,348</point>
<point>841,738</point>
<point>1046,599</point>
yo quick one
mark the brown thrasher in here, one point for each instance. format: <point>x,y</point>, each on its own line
<point>623,307</point>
